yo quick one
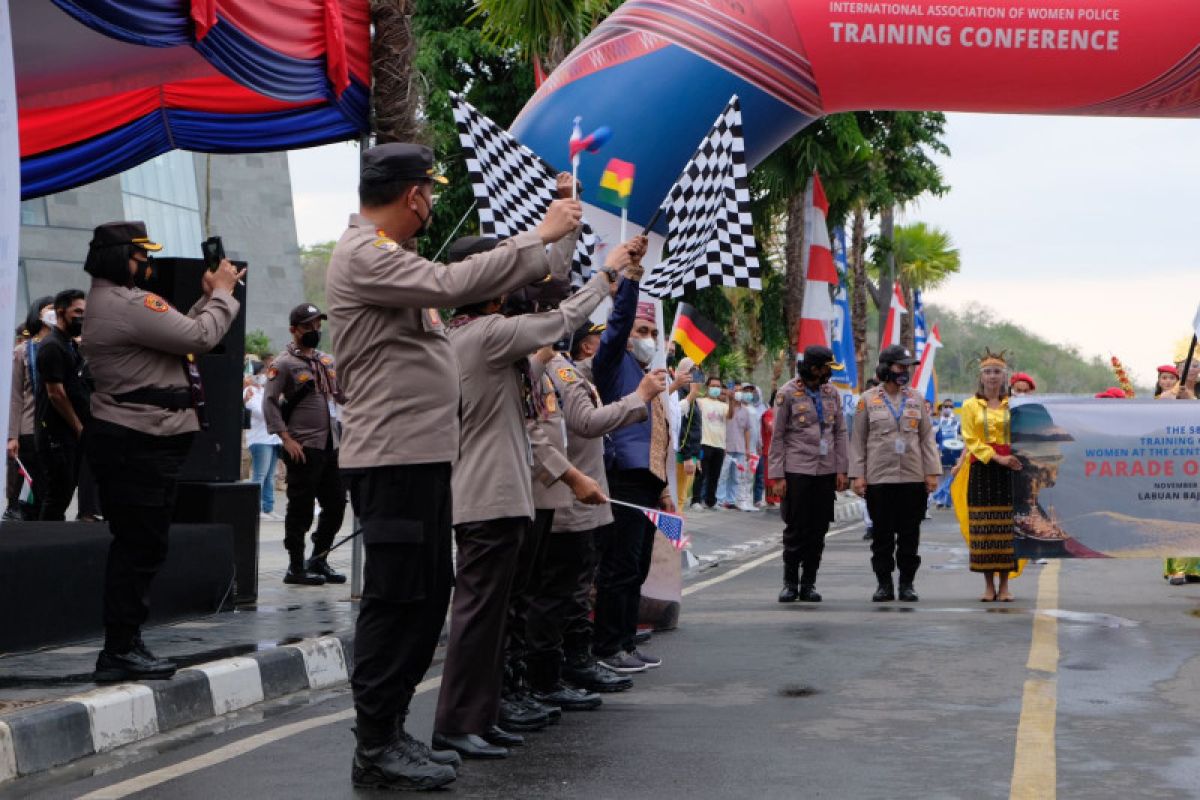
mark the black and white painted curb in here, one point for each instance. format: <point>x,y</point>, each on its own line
<point>48,735</point>
<point>847,509</point>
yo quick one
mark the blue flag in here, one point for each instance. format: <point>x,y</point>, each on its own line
<point>843,333</point>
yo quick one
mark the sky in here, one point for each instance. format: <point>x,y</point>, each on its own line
<point>1080,229</point>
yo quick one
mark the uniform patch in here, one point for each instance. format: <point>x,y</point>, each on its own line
<point>780,399</point>
<point>326,360</point>
<point>272,374</point>
<point>156,303</point>
<point>303,377</point>
<point>386,244</point>
<point>568,374</point>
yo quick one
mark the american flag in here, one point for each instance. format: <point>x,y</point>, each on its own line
<point>671,526</point>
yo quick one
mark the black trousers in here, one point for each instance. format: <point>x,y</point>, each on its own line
<point>59,459</point>
<point>531,561</point>
<point>704,488</point>
<point>557,624</point>
<point>807,511</point>
<point>316,479</point>
<point>27,452</point>
<point>624,551</point>
<point>896,511</point>
<point>137,474</point>
<point>88,492</point>
<point>405,516</point>
<point>472,677</point>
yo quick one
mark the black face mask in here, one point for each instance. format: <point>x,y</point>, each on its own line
<point>75,327</point>
<point>310,339</point>
<point>143,278</point>
<point>899,378</point>
<point>425,220</point>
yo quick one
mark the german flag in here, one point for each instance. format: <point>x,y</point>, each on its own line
<point>697,336</point>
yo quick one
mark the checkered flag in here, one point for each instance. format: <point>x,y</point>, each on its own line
<point>709,228</point>
<point>513,186</point>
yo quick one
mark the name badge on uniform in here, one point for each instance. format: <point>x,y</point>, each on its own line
<point>824,449</point>
<point>901,446</point>
<point>431,320</point>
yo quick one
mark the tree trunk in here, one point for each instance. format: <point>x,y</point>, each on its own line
<point>395,92</point>
<point>887,228</point>
<point>794,260</point>
<point>859,288</point>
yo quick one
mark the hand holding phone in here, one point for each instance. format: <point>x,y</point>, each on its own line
<point>214,252</point>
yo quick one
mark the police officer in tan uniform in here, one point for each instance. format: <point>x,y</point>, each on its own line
<point>146,407</point>
<point>493,500</point>
<point>400,434</point>
<point>895,465</point>
<point>807,465</point>
<point>302,385</point>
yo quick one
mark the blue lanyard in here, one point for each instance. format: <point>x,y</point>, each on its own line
<point>815,397</point>
<point>895,412</point>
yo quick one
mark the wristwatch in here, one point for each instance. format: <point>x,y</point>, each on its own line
<point>612,274</point>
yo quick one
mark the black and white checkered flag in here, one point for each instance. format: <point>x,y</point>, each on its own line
<point>513,186</point>
<point>710,233</point>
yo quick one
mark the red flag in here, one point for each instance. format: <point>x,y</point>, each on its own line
<point>820,274</point>
<point>891,328</point>
<point>539,74</point>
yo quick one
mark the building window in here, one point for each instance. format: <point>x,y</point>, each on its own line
<point>162,193</point>
<point>33,212</point>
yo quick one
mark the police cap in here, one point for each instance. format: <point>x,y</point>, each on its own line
<point>399,161</point>
<point>305,312</point>
<point>584,331</point>
<point>466,246</point>
<point>113,234</point>
<point>896,354</point>
<point>816,355</point>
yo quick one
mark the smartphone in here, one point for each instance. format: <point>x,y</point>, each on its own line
<point>214,252</point>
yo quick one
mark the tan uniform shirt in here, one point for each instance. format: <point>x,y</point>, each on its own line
<point>397,368</point>
<point>20,398</point>
<point>588,420</point>
<point>548,436</point>
<point>798,433</point>
<point>492,477</point>
<point>133,339</point>
<point>309,421</point>
<point>874,453</point>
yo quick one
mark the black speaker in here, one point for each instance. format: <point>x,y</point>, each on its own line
<point>216,454</point>
<point>235,505</point>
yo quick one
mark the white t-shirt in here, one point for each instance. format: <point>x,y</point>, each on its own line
<point>257,434</point>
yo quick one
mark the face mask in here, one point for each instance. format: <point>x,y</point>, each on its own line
<point>261,380</point>
<point>49,318</point>
<point>900,379</point>
<point>947,412</point>
<point>714,392</point>
<point>644,349</point>
<point>310,338</point>
<point>145,271</point>
<point>75,327</point>
<point>425,220</point>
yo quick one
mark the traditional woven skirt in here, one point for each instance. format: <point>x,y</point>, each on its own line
<point>990,517</point>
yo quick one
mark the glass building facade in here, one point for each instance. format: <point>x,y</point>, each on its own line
<point>163,193</point>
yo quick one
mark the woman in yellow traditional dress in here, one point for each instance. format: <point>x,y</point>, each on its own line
<point>985,432</point>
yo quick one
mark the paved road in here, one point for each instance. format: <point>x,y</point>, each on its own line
<point>1096,696</point>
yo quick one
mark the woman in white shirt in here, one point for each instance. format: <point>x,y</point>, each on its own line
<point>264,447</point>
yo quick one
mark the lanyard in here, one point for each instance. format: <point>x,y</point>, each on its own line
<point>815,397</point>
<point>896,412</point>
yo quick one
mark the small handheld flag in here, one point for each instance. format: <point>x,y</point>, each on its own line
<point>696,335</point>
<point>26,495</point>
<point>591,143</point>
<point>616,184</point>
<point>671,525</point>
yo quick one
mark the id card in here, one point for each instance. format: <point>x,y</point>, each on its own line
<point>901,447</point>
<point>824,449</point>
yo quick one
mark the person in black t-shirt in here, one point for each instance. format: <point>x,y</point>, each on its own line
<point>62,405</point>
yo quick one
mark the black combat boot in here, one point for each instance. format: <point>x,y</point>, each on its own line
<point>907,593</point>
<point>885,592</point>
<point>809,594</point>
<point>300,575</point>
<point>789,593</point>
<point>319,566</point>
<point>384,763</point>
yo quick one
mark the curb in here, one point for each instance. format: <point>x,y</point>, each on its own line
<point>52,734</point>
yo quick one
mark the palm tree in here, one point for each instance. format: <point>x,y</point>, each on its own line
<point>545,29</point>
<point>395,97</point>
<point>925,255</point>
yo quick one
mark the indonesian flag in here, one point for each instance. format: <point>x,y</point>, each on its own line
<point>820,274</point>
<point>891,328</point>
<point>925,381</point>
<point>26,495</point>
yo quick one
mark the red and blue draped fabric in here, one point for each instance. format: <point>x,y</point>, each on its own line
<point>252,76</point>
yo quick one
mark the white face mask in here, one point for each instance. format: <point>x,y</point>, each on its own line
<point>49,318</point>
<point>644,349</point>
<point>261,380</point>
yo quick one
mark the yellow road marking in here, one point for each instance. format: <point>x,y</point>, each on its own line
<point>1035,765</point>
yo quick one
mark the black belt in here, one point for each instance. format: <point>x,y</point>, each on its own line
<point>170,399</point>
